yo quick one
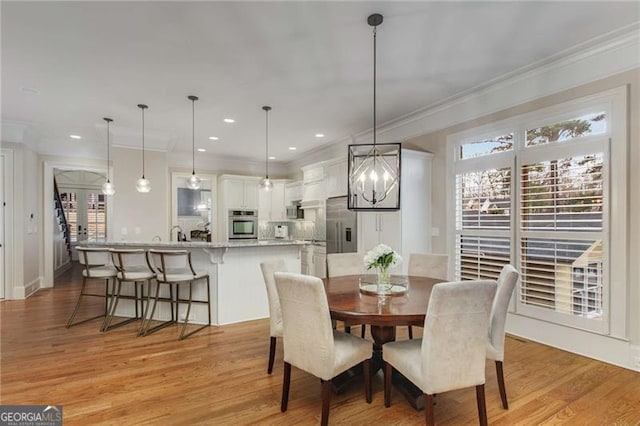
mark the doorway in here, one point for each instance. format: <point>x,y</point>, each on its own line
<point>85,212</point>
<point>2,243</point>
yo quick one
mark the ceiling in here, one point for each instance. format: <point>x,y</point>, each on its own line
<point>65,65</point>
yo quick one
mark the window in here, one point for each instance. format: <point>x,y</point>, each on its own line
<point>537,197</point>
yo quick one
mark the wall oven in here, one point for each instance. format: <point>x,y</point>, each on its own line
<point>243,225</point>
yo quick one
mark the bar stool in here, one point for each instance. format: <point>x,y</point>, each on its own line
<point>174,268</point>
<point>132,267</point>
<point>97,265</point>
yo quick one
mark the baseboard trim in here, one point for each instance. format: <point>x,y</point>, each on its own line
<point>62,269</point>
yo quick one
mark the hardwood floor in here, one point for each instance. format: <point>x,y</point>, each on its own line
<point>218,376</point>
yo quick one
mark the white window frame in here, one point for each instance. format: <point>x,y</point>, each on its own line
<point>613,144</point>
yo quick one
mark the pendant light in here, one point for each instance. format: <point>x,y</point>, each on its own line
<point>143,184</point>
<point>266,183</point>
<point>108,188</point>
<point>374,169</point>
<point>194,181</point>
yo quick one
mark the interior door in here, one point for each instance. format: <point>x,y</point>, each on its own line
<point>85,210</point>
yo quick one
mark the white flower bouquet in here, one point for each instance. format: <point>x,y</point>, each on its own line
<point>382,257</point>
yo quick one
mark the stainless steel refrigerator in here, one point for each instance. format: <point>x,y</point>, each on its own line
<point>342,229</point>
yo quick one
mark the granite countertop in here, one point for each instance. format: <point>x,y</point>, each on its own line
<point>200,244</point>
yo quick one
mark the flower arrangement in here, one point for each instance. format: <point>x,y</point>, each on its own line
<point>382,257</point>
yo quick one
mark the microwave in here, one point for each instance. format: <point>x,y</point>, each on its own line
<point>243,225</point>
<point>295,212</point>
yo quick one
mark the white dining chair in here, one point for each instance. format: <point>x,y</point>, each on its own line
<point>452,352</point>
<point>275,313</point>
<point>96,263</point>
<point>495,347</point>
<point>342,264</point>
<point>310,343</point>
<point>428,265</point>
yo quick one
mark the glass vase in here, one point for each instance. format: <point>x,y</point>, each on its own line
<point>384,281</point>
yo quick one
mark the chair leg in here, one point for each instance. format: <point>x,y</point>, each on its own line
<point>186,317</point>
<point>146,320</point>
<point>428,410</point>
<point>388,370</point>
<point>285,387</point>
<point>272,354</point>
<point>503,390</point>
<point>367,379</point>
<point>326,399</point>
<point>410,332</point>
<point>363,330</point>
<point>482,407</point>
<point>75,310</point>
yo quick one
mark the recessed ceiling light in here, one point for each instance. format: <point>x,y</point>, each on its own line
<point>75,136</point>
<point>202,150</point>
<point>272,158</point>
<point>319,135</point>
<point>214,138</point>
<point>229,120</point>
<point>292,148</point>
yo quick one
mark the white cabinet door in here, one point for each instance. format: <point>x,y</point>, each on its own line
<point>271,203</point>
<point>234,193</point>
<point>319,265</point>
<point>368,234</point>
<point>336,179</point>
<point>264,205</point>
<point>292,192</point>
<point>251,188</point>
<point>278,209</point>
<point>314,191</point>
<point>379,228</point>
<point>390,229</point>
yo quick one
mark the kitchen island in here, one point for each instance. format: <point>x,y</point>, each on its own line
<point>237,288</point>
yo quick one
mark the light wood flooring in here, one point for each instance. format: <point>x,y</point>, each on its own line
<point>218,376</point>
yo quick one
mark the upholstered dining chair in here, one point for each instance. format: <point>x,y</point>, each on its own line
<point>495,347</point>
<point>275,313</point>
<point>452,352</point>
<point>97,265</point>
<point>428,265</point>
<point>341,264</point>
<point>133,268</point>
<point>310,342</point>
<point>174,268</point>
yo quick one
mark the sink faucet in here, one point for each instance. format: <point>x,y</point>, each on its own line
<point>181,237</point>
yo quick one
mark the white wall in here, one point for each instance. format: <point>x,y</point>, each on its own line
<point>32,220</point>
<point>142,215</point>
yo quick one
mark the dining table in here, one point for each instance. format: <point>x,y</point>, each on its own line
<point>349,301</point>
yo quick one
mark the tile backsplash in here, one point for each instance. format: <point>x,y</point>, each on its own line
<point>298,230</point>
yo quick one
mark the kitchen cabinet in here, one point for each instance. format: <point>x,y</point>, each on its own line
<point>239,192</point>
<point>314,184</point>
<point>313,261</point>
<point>319,262</point>
<point>271,204</point>
<point>380,228</point>
<point>292,192</point>
<point>407,230</point>
<point>336,179</point>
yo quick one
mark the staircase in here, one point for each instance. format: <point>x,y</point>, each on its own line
<point>62,219</point>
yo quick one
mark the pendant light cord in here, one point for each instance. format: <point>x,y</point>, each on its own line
<point>267,142</point>
<point>142,142</point>
<point>374,85</point>
<point>193,136</point>
<point>108,158</point>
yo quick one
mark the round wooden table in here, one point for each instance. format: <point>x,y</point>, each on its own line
<point>347,303</point>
